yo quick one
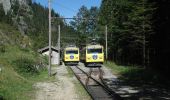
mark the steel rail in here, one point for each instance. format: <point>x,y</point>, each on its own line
<point>102,85</point>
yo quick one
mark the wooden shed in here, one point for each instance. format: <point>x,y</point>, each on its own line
<point>54,54</point>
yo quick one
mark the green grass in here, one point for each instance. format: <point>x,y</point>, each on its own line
<point>13,84</point>
<point>41,77</point>
<point>15,87</point>
<point>17,64</point>
<point>70,73</point>
<point>10,35</point>
<point>118,69</point>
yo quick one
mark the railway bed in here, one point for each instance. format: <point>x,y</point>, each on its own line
<point>96,89</point>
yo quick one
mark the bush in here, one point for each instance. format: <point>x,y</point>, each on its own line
<point>25,66</point>
<point>2,48</point>
<point>1,97</point>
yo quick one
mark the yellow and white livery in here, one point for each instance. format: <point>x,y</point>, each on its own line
<point>71,55</point>
<point>93,55</point>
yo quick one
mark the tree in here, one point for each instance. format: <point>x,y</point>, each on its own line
<point>160,39</point>
<point>129,28</point>
<point>86,23</point>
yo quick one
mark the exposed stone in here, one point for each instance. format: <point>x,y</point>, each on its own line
<point>24,12</point>
<point>6,5</point>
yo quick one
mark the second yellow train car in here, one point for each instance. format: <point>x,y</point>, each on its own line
<point>93,55</point>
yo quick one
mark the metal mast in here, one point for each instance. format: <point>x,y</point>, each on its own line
<point>106,41</point>
<point>49,69</point>
<point>59,43</point>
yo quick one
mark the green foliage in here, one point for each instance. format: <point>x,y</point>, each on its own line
<point>160,38</point>
<point>16,87</point>
<point>21,66</point>
<point>9,35</point>
<point>13,86</point>
<point>5,18</point>
<point>15,8</point>
<point>25,66</point>
<point>24,61</point>
<point>86,24</point>
<point>38,28</point>
<point>2,48</point>
<point>129,29</point>
<point>36,19</point>
<point>118,69</point>
<point>18,72</point>
<point>138,32</point>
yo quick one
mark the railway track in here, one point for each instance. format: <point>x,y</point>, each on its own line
<point>96,89</point>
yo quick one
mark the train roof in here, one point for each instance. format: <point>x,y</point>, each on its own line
<point>71,45</point>
<point>72,48</point>
<point>94,46</point>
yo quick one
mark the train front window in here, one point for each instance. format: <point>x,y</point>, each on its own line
<point>71,52</point>
<point>94,50</point>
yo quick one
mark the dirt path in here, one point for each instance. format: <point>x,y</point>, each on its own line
<point>62,89</point>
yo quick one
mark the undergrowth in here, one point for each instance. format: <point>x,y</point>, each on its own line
<point>138,75</point>
<point>20,69</point>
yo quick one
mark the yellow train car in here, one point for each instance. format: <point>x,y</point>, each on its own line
<point>71,55</point>
<point>93,55</point>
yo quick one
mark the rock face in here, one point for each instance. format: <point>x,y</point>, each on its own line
<point>19,15</point>
<point>6,5</point>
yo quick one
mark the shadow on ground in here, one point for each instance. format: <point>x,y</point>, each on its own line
<point>140,85</point>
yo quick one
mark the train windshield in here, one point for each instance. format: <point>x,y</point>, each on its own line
<point>72,52</point>
<point>94,50</point>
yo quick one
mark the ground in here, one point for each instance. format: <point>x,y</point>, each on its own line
<point>62,88</point>
<point>135,90</point>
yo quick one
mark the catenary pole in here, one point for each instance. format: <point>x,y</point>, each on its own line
<point>59,43</point>
<point>106,41</point>
<point>49,7</point>
<point>144,42</point>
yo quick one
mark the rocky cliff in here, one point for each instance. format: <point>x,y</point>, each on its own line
<point>19,11</point>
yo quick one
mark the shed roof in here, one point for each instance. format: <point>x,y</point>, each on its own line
<point>47,48</point>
